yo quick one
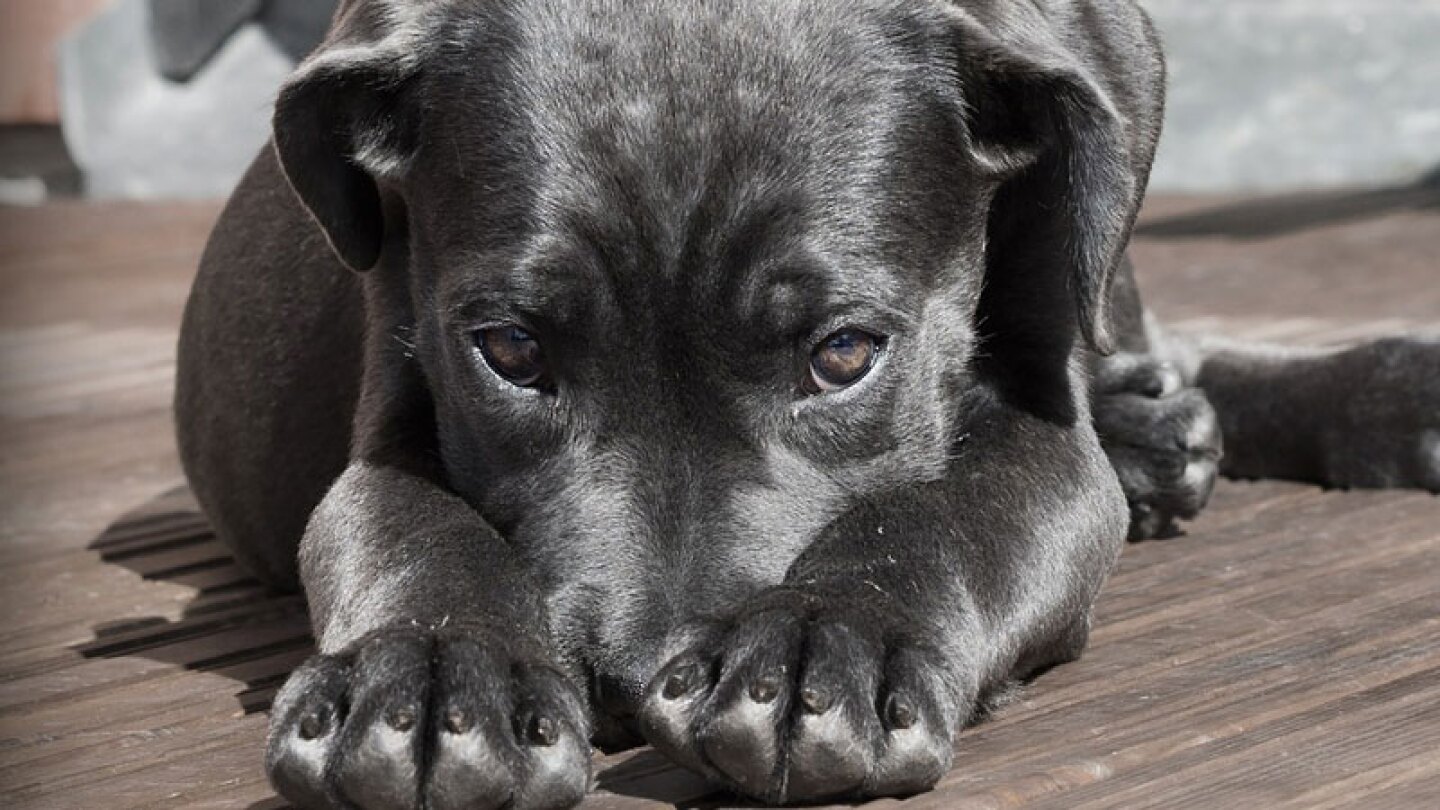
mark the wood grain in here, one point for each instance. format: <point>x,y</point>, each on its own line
<point>1285,651</point>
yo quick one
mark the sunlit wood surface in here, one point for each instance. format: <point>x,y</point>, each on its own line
<point>1284,652</point>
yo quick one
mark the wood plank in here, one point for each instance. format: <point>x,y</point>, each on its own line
<point>1285,650</point>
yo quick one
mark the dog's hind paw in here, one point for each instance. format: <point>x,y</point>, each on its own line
<point>1380,406</point>
<point>1163,441</point>
<point>800,699</point>
<point>416,719</point>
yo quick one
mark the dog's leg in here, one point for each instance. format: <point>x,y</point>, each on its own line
<point>1361,416</point>
<point>433,687</point>
<point>852,677</point>
<point>268,374</point>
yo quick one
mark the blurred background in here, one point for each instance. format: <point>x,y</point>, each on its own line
<point>169,99</point>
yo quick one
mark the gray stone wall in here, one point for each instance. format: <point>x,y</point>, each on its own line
<point>1287,94</point>
<point>1264,95</point>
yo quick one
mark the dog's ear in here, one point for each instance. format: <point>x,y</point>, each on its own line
<point>1066,107</point>
<point>344,122</point>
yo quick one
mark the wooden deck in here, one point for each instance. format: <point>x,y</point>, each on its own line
<point>1285,652</point>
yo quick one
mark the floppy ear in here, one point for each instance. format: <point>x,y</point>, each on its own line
<point>1066,107</point>
<point>343,122</point>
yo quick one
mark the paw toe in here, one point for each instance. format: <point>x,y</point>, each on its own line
<point>804,708</point>
<point>914,760</point>
<point>555,740</point>
<point>304,729</point>
<point>557,775</point>
<point>829,756</point>
<point>469,770</point>
<point>381,748</point>
<point>417,720</point>
<point>1128,373</point>
<point>473,757</point>
<point>673,706</point>
<point>1166,453</point>
<point>741,742</point>
<point>919,720</point>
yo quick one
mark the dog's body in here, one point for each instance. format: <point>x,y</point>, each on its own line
<point>680,216</point>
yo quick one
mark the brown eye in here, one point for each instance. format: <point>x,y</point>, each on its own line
<point>512,353</point>
<point>842,359</point>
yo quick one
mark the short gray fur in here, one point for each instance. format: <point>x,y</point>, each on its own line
<point>670,531</point>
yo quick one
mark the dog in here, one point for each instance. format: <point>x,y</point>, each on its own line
<point>763,380</point>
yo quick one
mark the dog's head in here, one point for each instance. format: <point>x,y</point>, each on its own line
<point>685,281</point>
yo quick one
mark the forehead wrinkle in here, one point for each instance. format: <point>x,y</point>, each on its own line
<point>547,281</point>
<point>863,274</point>
<point>712,114</point>
<point>714,78</point>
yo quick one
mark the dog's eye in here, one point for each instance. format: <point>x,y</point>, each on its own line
<point>513,353</point>
<point>842,359</point>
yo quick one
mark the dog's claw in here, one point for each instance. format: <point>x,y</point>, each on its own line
<point>315,723</point>
<point>899,713</point>
<point>826,733</point>
<point>764,689</point>
<point>346,731</point>
<point>681,680</point>
<point>542,732</point>
<point>458,722</point>
<point>815,701</point>
<point>402,719</point>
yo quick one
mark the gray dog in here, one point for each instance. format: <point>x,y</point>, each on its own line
<point>759,379</point>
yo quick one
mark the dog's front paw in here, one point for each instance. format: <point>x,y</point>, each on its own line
<point>1163,441</point>
<point>443,720</point>
<point>801,698</point>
